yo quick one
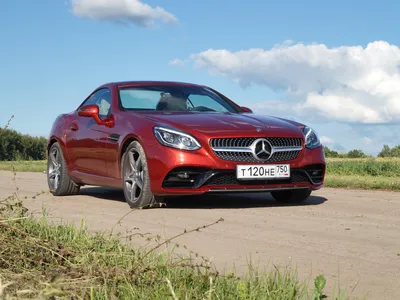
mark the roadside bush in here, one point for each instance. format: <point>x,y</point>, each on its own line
<point>16,146</point>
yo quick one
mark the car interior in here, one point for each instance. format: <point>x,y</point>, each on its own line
<point>172,103</point>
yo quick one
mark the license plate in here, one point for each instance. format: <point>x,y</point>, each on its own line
<point>262,171</point>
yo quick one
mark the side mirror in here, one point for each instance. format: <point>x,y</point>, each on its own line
<point>246,109</point>
<point>92,111</point>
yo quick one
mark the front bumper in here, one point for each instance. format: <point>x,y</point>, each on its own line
<point>175,172</point>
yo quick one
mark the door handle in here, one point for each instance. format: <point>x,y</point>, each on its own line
<point>74,127</point>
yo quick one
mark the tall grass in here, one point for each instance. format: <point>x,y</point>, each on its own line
<point>388,167</point>
<point>24,165</point>
<point>363,182</point>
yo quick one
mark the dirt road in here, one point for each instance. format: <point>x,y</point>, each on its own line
<point>352,237</point>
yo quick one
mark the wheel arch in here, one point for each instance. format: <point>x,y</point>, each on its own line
<point>55,139</point>
<point>124,145</point>
<point>50,143</point>
<point>126,142</point>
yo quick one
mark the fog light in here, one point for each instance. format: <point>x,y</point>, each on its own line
<point>183,175</point>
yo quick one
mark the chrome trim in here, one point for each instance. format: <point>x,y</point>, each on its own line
<point>113,137</point>
<point>250,149</point>
<point>266,150</point>
<point>237,149</point>
<point>265,144</point>
<point>265,189</point>
<point>286,149</point>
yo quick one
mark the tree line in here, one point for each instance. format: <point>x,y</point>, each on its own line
<point>17,146</point>
<point>356,153</point>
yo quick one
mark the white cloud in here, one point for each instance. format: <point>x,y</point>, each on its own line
<point>345,84</point>
<point>123,11</point>
<point>368,140</point>
<point>274,104</point>
<point>326,140</point>
<point>177,62</point>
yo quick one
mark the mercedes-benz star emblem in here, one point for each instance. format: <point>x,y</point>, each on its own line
<point>262,149</point>
<point>258,129</point>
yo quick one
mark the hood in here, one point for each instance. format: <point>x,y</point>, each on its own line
<point>226,123</point>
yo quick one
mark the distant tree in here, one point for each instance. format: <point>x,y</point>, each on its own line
<point>330,153</point>
<point>390,152</point>
<point>15,146</point>
<point>356,154</point>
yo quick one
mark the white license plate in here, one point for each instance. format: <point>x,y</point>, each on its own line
<point>262,171</point>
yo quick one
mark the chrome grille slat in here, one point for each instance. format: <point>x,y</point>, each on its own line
<point>229,149</point>
<point>246,142</point>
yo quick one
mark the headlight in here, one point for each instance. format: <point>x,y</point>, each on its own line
<point>311,137</point>
<point>176,139</point>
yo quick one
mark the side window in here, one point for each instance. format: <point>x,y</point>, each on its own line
<point>104,104</point>
<point>93,99</point>
<point>101,98</point>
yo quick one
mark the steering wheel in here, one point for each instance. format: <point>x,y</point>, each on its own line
<point>201,108</point>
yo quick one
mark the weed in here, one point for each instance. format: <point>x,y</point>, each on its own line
<point>41,259</point>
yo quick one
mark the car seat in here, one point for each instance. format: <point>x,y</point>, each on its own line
<point>171,103</point>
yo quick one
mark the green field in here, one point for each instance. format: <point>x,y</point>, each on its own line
<point>24,166</point>
<point>363,173</point>
<point>387,167</point>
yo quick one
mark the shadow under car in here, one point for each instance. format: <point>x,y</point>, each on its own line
<point>206,201</point>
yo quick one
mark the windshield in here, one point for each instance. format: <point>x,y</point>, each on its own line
<point>173,98</point>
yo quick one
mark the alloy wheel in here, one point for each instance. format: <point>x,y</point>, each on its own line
<point>54,169</point>
<point>133,176</point>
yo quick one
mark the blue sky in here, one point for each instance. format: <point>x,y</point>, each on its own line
<point>54,53</point>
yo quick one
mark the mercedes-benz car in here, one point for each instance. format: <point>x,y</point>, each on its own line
<point>155,139</point>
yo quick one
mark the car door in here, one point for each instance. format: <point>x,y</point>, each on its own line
<point>86,139</point>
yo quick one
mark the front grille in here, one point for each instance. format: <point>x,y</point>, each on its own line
<point>246,142</point>
<point>230,179</point>
<point>243,153</point>
<point>248,157</point>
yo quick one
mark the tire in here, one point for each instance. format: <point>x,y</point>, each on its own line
<point>135,178</point>
<point>291,196</point>
<point>58,180</point>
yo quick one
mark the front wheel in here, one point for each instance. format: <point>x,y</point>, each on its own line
<point>291,196</point>
<point>135,177</point>
<point>60,184</point>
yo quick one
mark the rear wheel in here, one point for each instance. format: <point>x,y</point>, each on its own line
<point>291,196</point>
<point>58,180</point>
<point>136,180</point>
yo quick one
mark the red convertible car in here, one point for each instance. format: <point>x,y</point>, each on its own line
<point>157,139</point>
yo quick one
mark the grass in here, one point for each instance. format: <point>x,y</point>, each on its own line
<point>364,173</point>
<point>387,167</point>
<point>24,166</point>
<point>44,260</point>
<point>363,182</point>
<point>361,173</point>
